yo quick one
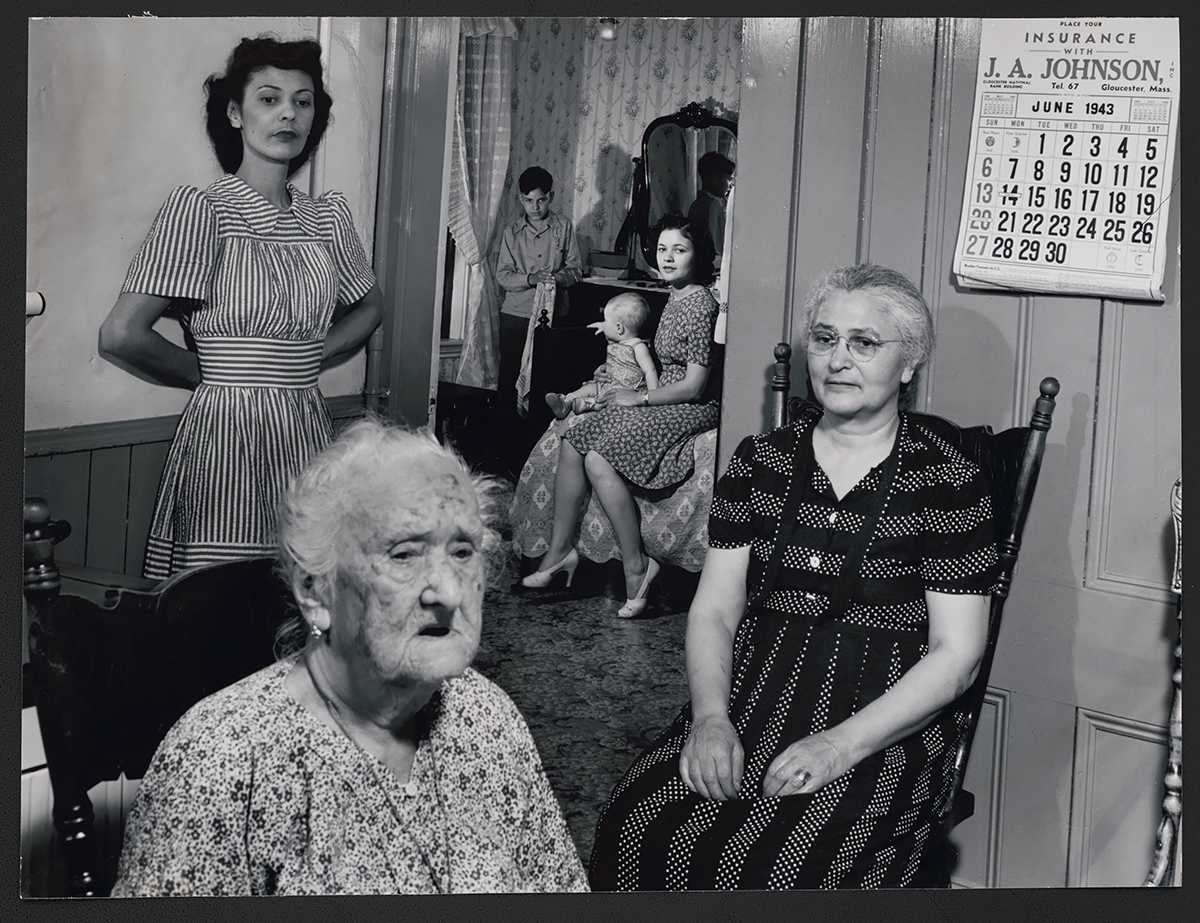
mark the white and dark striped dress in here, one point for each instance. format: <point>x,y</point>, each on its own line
<point>796,673</point>
<point>256,288</point>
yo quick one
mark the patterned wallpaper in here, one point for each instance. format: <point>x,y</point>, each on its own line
<point>580,104</point>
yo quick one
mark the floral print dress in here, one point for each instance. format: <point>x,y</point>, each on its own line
<point>652,447</point>
<point>252,794</point>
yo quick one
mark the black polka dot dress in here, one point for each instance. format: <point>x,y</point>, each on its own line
<point>796,673</point>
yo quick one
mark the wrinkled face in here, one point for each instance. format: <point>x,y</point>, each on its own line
<point>843,385</point>
<point>536,204</point>
<point>675,257</point>
<point>275,115</point>
<point>409,595</point>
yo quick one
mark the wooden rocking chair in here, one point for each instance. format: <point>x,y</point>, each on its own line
<point>115,661</point>
<point>1011,461</point>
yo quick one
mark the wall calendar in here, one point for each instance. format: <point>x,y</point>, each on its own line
<point>1070,172</point>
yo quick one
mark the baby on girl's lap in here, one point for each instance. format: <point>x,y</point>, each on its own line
<point>629,362</point>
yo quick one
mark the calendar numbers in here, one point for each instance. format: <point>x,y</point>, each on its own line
<point>977,244</point>
<point>1072,162</point>
<point>1143,232</point>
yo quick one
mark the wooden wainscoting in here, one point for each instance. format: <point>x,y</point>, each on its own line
<point>103,478</point>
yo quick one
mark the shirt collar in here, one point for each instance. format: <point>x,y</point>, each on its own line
<point>260,214</point>
<point>522,224</point>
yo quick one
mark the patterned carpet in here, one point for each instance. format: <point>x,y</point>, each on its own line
<point>594,689</point>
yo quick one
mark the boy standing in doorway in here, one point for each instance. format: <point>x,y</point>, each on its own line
<point>538,247</point>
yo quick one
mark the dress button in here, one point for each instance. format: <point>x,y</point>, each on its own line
<point>815,561</point>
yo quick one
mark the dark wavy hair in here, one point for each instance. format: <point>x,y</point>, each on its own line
<point>250,55</point>
<point>703,270</point>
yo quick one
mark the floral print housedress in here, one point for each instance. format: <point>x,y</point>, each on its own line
<point>652,446</point>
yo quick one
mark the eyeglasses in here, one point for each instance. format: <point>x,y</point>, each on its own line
<point>862,348</point>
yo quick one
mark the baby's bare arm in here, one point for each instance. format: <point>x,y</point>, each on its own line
<point>645,360</point>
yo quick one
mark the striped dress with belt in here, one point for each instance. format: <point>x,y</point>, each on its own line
<point>256,288</point>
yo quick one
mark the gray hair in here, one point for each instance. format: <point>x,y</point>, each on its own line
<point>896,296</point>
<point>313,515</point>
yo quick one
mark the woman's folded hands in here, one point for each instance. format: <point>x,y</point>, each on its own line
<point>711,763</point>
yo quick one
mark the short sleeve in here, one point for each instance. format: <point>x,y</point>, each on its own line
<point>729,523</point>
<point>698,325</point>
<point>355,276</point>
<point>176,259</point>
<point>958,546</point>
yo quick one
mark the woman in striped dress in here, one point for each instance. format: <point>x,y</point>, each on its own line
<point>841,611</point>
<point>271,286</point>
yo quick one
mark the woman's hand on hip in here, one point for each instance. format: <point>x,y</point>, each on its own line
<point>805,766</point>
<point>711,761</point>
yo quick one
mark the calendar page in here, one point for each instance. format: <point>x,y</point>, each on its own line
<point>1069,177</point>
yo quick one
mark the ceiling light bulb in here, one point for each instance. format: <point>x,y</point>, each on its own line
<point>608,28</point>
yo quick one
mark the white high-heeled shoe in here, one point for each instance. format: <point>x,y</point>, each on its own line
<point>541,578</point>
<point>637,605</point>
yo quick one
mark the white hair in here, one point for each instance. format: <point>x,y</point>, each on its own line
<point>314,515</point>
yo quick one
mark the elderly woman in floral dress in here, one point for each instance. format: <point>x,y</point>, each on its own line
<point>374,760</point>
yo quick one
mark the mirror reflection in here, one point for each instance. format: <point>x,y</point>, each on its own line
<point>688,164</point>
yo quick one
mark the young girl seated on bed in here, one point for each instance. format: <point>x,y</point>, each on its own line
<point>629,362</point>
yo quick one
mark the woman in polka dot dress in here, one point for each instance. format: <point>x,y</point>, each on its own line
<point>842,609</point>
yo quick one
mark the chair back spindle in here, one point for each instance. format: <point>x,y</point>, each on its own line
<point>1163,869</point>
<point>781,381</point>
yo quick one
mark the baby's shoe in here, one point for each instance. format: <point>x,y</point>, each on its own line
<point>559,407</point>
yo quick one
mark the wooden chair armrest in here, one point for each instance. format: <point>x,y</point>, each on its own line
<point>98,585</point>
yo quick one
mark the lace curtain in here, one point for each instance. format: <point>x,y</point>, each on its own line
<point>479,163</point>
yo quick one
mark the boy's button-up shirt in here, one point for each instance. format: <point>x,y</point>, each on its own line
<point>524,249</point>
